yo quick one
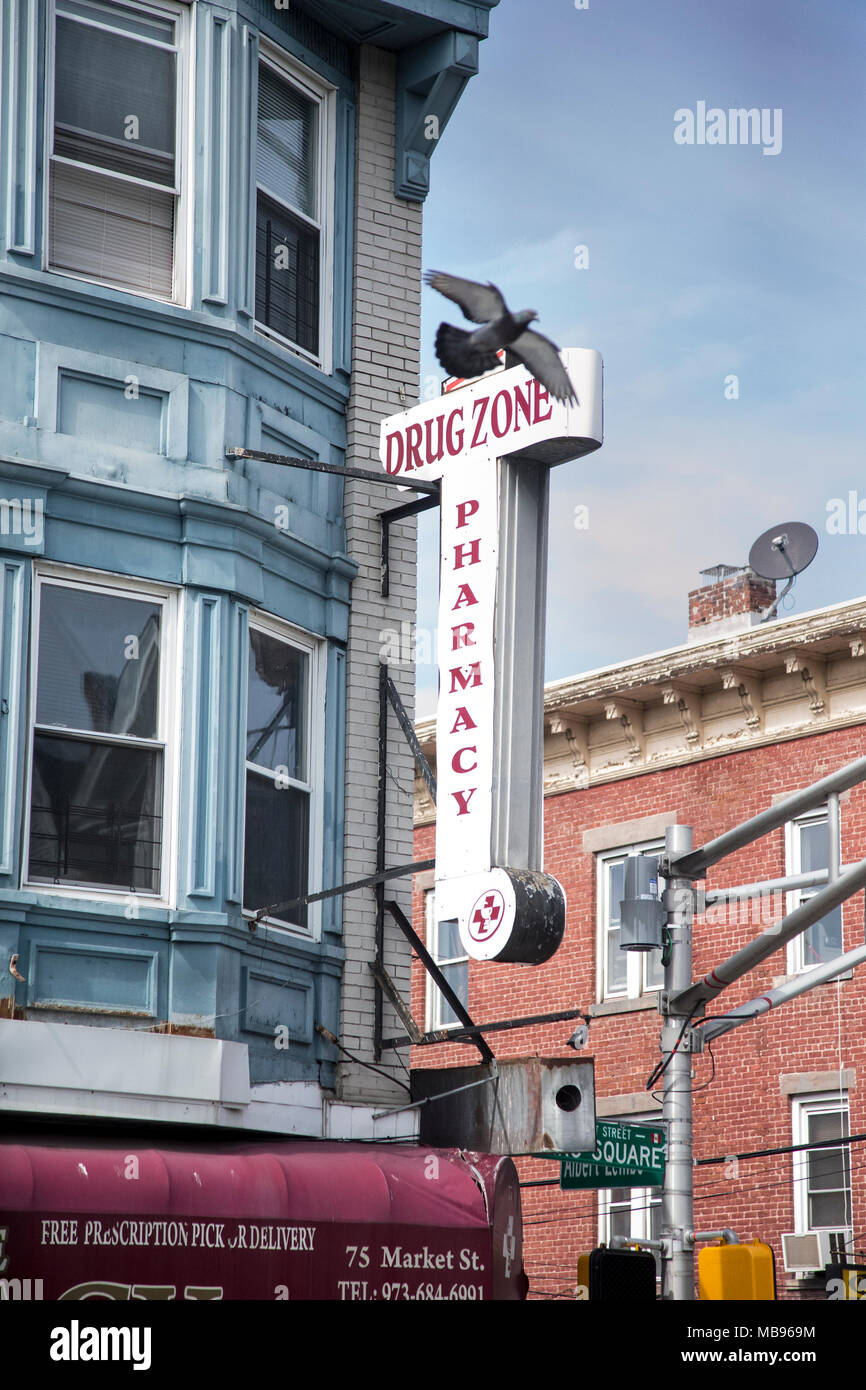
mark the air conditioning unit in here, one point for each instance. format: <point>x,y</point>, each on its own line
<point>804,1253</point>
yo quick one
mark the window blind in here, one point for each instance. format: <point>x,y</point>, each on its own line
<point>114,115</point>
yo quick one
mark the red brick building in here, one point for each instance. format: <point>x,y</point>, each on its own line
<point>706,734</point>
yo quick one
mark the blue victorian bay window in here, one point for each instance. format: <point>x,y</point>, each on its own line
<point>114,166</point>
<point>98,756</point>
<point>290,207</point>
<point>278,776</point>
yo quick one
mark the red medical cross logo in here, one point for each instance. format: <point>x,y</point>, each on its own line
<point>486,915</point>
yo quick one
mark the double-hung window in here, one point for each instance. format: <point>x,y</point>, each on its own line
<point>635,1212</point>
<point>292,206</point>
<point>808,849</point>
<point>822,1176</point>
<point>283,713</point>
<point>444,945</point>
<point>623,974</point>
<point>114,167</point>
<point>99,776</point>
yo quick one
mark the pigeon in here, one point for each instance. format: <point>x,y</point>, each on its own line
<point>469,354</point>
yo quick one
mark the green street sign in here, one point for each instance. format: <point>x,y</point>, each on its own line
<point>624,1156</point>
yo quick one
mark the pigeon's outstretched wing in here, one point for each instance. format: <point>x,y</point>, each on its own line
<point>542,358</point>
<point>480,303</point>
<point>459,356</point>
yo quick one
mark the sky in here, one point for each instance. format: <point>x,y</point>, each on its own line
<point>705,262</point>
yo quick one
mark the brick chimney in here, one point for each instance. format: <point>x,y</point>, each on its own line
<point>731,599</point>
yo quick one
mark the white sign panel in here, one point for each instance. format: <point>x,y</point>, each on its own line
<point>504,413</point>
<point>461,438</point>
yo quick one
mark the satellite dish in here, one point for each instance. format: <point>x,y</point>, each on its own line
<point>783,552</point>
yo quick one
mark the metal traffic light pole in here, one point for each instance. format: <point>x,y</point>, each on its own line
<point>684,1000</point>
<point>677,1196</point>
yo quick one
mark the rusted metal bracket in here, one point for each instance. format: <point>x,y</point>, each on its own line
<point>417,751</point>
<point>317,466</point>
<point>423,504</point>
<point>438,979</point>
<point>418,866</point>
<point>457,1035</point>
<point>402,1008</point>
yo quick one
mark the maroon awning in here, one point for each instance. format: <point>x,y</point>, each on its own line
<point>296,1220</point>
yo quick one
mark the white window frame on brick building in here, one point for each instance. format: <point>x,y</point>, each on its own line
<point>438,1011</point>
<point>125,190</point>
<point>800,951</point>
<point>641,1204</point>
<point>311,781</point>
<point>312,89</point>
<point>160,746</point>
<point>805,1169</point>
<point>642,968</point>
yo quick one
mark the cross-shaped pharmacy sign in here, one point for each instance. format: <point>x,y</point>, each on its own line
<point>492,444</point>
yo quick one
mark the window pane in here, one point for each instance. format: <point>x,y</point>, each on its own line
<point>617,960</point>
<point>276,724</point>
<point>114,102</point>
<point>448,943</point>
<point>286,149</point>
<point>823,941</point>
<point>287,275</point>
<point>276,846</point>
<point>116,232</point>
<point>620,1219</point>
<point>95,814</point>
<point>138,22</point>
<point>655,971</point>
<point>814,846</point>
<point>828,1171</point>
<point>457,976</point>
<point>98,662</point>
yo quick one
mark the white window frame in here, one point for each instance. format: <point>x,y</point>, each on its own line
<point>636,980</point>
<point>642,1199</point>
<point>826,1102</point>
<point>796,964</point>
<point>168,724</point>
<point>184,152</point>
<point>315,89</point>
<point>435,1001</point>
<point>314,649</point>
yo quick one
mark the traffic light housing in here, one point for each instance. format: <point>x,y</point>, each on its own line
<point>618,1275</point>
<point>737,1272</point>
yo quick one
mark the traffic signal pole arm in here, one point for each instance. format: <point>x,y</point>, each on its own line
<point>754,1008</point>
<point>771,940</point>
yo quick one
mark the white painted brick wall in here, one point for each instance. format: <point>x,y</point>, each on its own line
<point>385,379</point>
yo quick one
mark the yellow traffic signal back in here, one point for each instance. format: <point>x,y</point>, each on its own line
<point>737,1272</point>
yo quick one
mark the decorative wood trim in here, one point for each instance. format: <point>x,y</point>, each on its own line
<point>216,202</point>
<point>20,99</point>
<point>629,715</point>
<point>812,670</point>
<point>205,746</point>
<point>750,691</point>
<point>688,703</point>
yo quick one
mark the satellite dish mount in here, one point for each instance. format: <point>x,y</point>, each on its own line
<point>783,552</point>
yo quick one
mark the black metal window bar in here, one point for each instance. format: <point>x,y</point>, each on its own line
<point>107,846</point>
<point>287,294</point>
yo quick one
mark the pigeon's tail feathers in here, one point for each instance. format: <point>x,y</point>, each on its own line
<point>458,357</point>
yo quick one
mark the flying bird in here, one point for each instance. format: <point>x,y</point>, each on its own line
<point>467,354</point>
